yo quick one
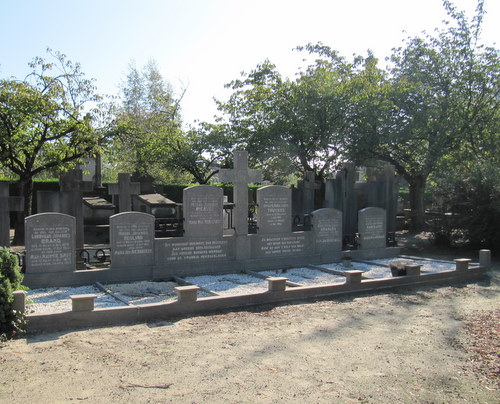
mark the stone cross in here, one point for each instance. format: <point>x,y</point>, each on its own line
<point>240,176</point>
<point>7,204</point>
<point>124,189</point>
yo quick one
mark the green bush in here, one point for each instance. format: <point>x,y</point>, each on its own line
<point>10,280</point>
<point>473,203</point>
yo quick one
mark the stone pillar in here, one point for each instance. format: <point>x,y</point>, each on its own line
<point>485,258</point>
<point>462,264</point>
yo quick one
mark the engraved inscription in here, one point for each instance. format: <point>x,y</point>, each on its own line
<point>204,210</point>
<point>374,228</point>
<point>328,230</point>
<point>133,239</point>
<point>275,210</point>
<point>275,246</point>
<point>198,250</point>
<point>50,245</point>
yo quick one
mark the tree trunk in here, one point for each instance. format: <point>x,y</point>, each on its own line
<point>25,190</point>
<point>417,188</point>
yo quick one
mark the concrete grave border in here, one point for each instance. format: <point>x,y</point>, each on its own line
<point>189,304</point>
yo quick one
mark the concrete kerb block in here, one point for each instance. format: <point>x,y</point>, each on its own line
<point>19,301</point>
<point>187,293</point>
<point>276,284</point>
<point>413,270</point>
<point>83,302</point>
<point>485,258</point>
<point>353,276</point>
<point>462,264</point>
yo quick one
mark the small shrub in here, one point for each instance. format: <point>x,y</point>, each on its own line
<point>10,280</point>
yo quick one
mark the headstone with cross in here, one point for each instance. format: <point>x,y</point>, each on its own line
<point>240,176</point>
<point>124,190</point>
<point>7,204</point>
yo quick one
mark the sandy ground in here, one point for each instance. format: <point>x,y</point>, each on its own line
<point>404,346</point>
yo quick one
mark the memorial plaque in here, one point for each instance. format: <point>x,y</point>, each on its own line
<point>274,213</point>
<point>327,228</point>
<point>372,228</point>
<point>184,250</point>
<point>50,243</point>
<point>203,214</point>
<point>269,246</point>
<point>132,239</point>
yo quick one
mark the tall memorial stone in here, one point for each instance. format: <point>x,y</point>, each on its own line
<point>372,228</point>
<point>7,204</point>
<point>274,213</point>
<point>132,239</point>
<point>124,191</point>
<point>240,176</point>
<point>50,243</point>
<point>327,229</point>
<point>203,211</point>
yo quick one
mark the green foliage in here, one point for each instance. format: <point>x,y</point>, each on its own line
<point>10,281</point>
<point>147,125</point>
<point>48,121</point>
<point>473,200</point>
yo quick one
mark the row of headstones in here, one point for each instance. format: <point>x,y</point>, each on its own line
<point>51,246</point>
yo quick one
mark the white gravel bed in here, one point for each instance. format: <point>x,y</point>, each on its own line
<point>306,276</point>
<point>50,300</point>
<point>427,266</point>
<point>144,292</point>
<point>229,284</point>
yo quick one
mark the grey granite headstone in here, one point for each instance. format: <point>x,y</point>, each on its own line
<point>132,239</point>
<point>202,207</point>
<point>274,213</point>
<point>50,243</point>
<point>372,228</point>
<point>327,228</point>
<point>7,204</point>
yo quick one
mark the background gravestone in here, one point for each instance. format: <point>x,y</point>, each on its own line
<point>274,213</point>
<point>132,239</point>
<point>7,204</point>
<point>50,243</point>
<point>202,207</point>
<point>327,229</point>
<point>372,228</point>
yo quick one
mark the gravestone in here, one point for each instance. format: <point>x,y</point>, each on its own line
<point>202,209</point>
<point>132,239</point>
<point>327,229</point>
<point>240,176</point>
<point>274,213</point>
<point>372,228</point>
<point>7,204</point>
<point>124,191</point>
<point>50,243</point>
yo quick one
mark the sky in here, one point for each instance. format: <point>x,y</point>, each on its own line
<point>200,45</point>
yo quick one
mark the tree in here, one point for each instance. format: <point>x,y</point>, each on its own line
<point>295,126</point>
<point>440,97</point>
<point>148,123</point>
<point>200,151</point>
<point>47,120</point>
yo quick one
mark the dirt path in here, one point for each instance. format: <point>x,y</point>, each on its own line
<point>387,348</point>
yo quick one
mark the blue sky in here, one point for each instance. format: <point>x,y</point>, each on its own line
<point>202,45</point>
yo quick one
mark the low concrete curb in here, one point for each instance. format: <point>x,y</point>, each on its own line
<point>166,311</point>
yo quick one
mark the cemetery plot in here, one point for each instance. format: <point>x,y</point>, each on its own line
<point>146,292</point>
<point>52,300</point>
<point>306,276</point>
<point>430,266</point>
<point>229,284</point>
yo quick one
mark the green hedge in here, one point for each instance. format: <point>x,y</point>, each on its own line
<point>10,281</point>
